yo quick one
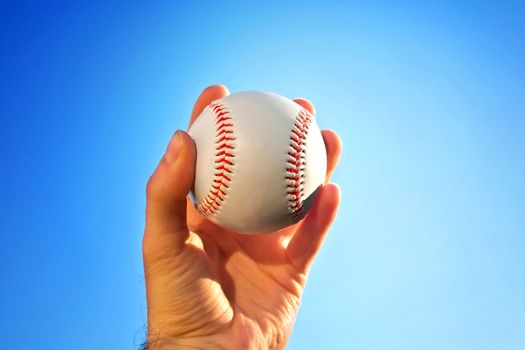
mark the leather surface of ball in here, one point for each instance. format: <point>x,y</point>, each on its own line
<point>261,159</point>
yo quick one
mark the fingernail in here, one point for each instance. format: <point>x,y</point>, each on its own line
<point>174,147</point>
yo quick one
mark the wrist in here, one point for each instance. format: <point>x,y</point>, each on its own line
<point>202,343</point>
<point>156,343</point>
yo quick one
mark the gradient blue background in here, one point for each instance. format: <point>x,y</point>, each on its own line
<point>428,251</point>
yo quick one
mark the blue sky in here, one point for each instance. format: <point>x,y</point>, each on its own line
<point>428,251</point>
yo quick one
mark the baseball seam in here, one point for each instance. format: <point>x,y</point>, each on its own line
<point>224,159</point>
<point>295,164</point>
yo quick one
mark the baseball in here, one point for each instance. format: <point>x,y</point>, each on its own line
<point>261,159</point>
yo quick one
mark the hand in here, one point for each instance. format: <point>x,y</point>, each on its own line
<point>209,288</point>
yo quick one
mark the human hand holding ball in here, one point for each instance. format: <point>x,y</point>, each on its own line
<point>257,163</point>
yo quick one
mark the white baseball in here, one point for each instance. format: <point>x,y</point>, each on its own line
<point>260,161</point>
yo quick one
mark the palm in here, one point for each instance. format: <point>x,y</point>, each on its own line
<point>257,280</point>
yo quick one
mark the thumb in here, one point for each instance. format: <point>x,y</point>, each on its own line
<point>166,228</point>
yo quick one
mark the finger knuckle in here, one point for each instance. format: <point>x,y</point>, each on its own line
<point>147,247</point>
<point>153,185</point>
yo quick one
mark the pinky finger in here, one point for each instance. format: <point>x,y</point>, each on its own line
<point>310,235</point>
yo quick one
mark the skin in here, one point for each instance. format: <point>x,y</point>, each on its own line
<point>209,288</point>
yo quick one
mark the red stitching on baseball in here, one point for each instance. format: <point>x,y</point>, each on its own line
<point>223,161</point>
<point>224,153</point>
<point>296,163</point>
<point>225,138</point>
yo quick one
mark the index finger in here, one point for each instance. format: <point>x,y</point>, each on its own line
<point>207,96</point>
